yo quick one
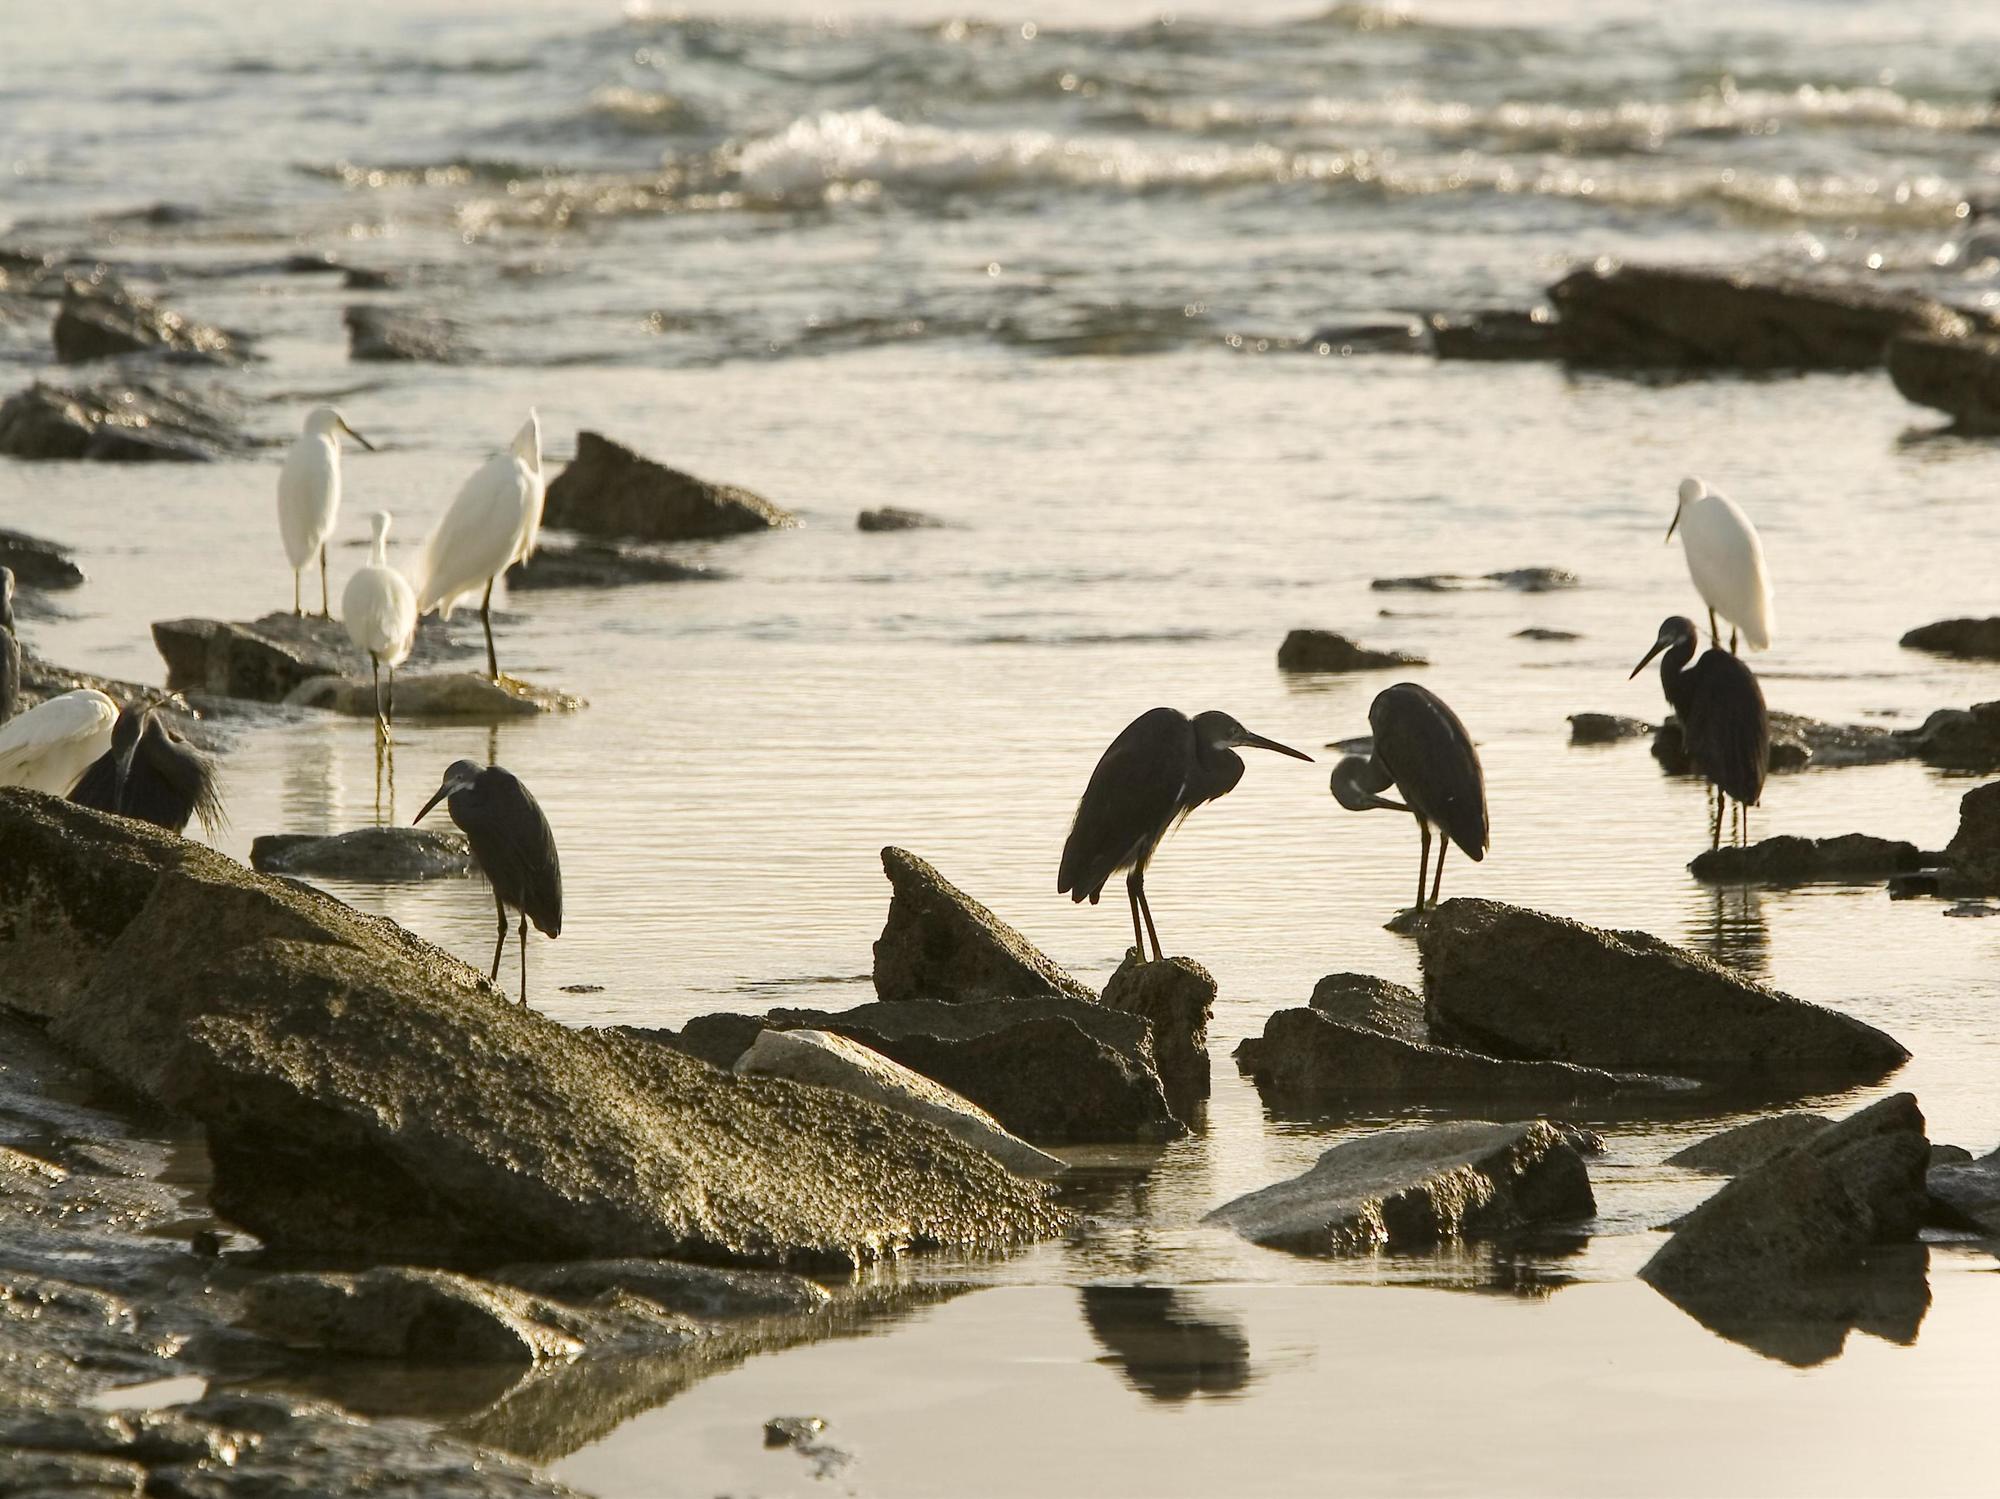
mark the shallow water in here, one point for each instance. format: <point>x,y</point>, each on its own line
<point>904,261</point>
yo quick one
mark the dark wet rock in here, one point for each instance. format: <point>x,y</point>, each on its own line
<point>1053,1070</point>
<point>1974,850</point>
<point>268,659</point>
<point>374,854</point>
<point>1517,579</point>
<point>1959,738</point>
<point>398,1312</point>
<point>370,278</point>
<point>1605,728</point>
<point>36,563</point>
<point>364,1093</point>
<point>117,423</point>
<point>894,518</point>
<point>396,335</point>
<point>437,697</point>
<point>1811,1208</point>
<point>1518,983</point>
<point>1959,376</point>
<point>1797,742</point>
<point>1371,333</point>
<point>599,564</point>
<point>1978,639</point>
<point>940,943</point>
<point>35,1474</point>
<point>1735,1151</point>
<point>1497,333</point>
<point>1537,632</point>
<point>1176,997</point>
<point>104,319</point>
<point>1949,1155</point>
<point>793,1431</point>
<point>609,490</point>
<point>1966,1194</point>
<point>1687,317</point>
<point>1167,1346</point>
<point>1787,860</point>
<point>703,1291</point>
<point>1323,650</point>
<point>1408,1188</point>
<point>1374,1004</point>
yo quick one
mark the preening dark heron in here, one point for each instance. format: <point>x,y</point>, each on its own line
<point>1422,749</point>
<point>1721,708</point>
<point>513,846</point>
<point>1158,770</point>
<point>152,773</point>
<point>10,648</point>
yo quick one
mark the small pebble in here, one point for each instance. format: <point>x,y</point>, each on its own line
<point>792,1431</point>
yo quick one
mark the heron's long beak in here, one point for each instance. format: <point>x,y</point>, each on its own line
<point>1670,533</point>
<point>442,792</point>
<point>1258,741</point>
<point>357,437</point>
<point>1352,791</point>
<point>1658,646</point>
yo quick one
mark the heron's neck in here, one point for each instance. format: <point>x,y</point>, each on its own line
<point>378,548</point>
<point>1672,664</point>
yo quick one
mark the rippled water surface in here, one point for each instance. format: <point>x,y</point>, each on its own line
<point>1015,270</point>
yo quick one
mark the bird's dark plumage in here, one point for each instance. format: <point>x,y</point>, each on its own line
<point>1431,758</point>
<point>152,773</point>
<point>1721,708</point>
<point>513,845</point>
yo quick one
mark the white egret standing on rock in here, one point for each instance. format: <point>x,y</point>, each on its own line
<point>491,525</point>
<point>379,609</point>
<point>309,496</point>
<point>49,747</point>
<point>1726,560</point>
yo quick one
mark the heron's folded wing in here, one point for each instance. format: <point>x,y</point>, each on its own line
<point>1133,795</point>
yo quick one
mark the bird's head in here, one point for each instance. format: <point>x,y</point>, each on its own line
<point>1691,490</point>
<point>1673,631</point>
<point>378,525</point>
<point>1217,730</point>
<point>1357,782</point>
<point>527,445</point>
<point>458,776</point>
<point>325,421</point>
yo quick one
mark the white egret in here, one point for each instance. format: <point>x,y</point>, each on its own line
<point>491,525</point>
<point>309,495</point>
<point>379,609</point>
<point>1726,560</point>
<point>49,747</point>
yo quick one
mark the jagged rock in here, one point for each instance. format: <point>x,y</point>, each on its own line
<point>364,1093</point>
<point>104,319</point>
<point>1735,1151</point>
<point>940,943</point>
<point>392,853</point>
<point>36,563</point>
<point>268,659</point>
<point>1055,1070</point>
<point>1978,639</point>
<point>1323,650</point>
<point>397,1312</point>
<point>1789,860</point>
<point>1966,1194</point>
<point>599,564</point>
<point>1808,1209</point>
<point>609,490</point>
<point>1373,1004</point>
<point>392,334</point>
<point>1687,317</point>
<point>1518,579</point>
<point>1497,333</point>
<point>1605,728</point>
<point>462,696</point>
<point>1974,849</point>
<point>1958,375</point>
<point>1407,1188</point>
<point>1518,983</point>
<point>1176,997</point>
<point>1371,333</point>
<point>1960,738</point>
<point>893,518</point>
<point>827,1060</point>
<point>122,423</point>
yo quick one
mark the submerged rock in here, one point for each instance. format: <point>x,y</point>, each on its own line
<point>116,423</point>
<point>1735,1151</point>
<point>398,1312</point>
<point>269,659</point>
<point>1688,317</point>
<point>1960,738</point>
<point>456,696</point>
<point>1323,650</point>
<point>392,334</point>
<point>1789,860</point>
<point>1958,375</point>
<point>1518,579</point>
<point>36,563</point>
<point>940,943</point>
<point>1497,333</point>
<point>1605,728</point>
<point>892,518</point>
<point>104,319</point>
<point>599,564</point>
<point>388,854</point>
<point>1412,1187</point>
<point>1978,639</point>
<point>365,1093</point>
<point>1371,333</point>
<point>1176,997</point>
<point>609,490</point>
<point>1518,983</point>
<point>1538,633</point>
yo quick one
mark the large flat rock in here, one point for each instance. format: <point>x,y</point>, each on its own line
<point>609,490</point>
<point>437,697</point>
<point>1974,639</point>
<point>1518,983</point>
<point>269,659</point>
<point>378,855</point>
<point>1851,858</point>
<point>101,318</point>
<point>365,1093</point>
<point>118,422</point>
<point>1956,374</point>
<point>940,943</point>
<point>1413,1187</point>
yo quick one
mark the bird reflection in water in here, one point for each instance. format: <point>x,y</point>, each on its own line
<point>1727,922</point>
<point>1166,1345</point>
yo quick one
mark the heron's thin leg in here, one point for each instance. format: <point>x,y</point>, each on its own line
<point>1146,910</point>
<point>524,957</point>
<point>392,694</point>
<point>486,619</point>
<point>1732,640</point>
<point>1138,936</point>
<point>1437,879</point>
<point>381,723</point>
<point>1715,839</point>
<point>325,598</point>
<point>1423,862</point>
<point>1714,635</point>
<point>500,943</point>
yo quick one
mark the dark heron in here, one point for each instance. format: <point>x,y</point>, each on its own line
<point>1721,708</point>
<point>513,847</point>
<point>1422,750</point>
<point>10,648</point>
<point>152,773</point>
<point>1160,769</point>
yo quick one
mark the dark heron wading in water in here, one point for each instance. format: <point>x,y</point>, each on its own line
<point>1422,750</point>
<point>1722,714</point>
<point>513,846</point>
<point>10,648</point>
<point>1158,770</point>
<point>152,773</point>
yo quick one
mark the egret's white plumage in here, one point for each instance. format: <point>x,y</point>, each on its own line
<point>379,609</point>
<point>492,524</point>
<point>49,747</point>
<point>309,494</point>
<point>1726,560</point>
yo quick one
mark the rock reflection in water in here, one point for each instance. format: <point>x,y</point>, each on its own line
<point>1727,922</point>
<point>1806,1322</point>
<point>1167,1346</point>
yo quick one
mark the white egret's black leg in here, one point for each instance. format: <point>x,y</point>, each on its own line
<point>1714,635</point>
<point>1732,640</point>
<point>298,596</point>
<point>1423,862</point>
<point>381,723</point>
<point>1138,936</point>
<point>325,598</point>
<point>392,695</point>
<point>486,619</point>
<point>524,957</point>
<point>500,942</point>
<point>1437,878</point>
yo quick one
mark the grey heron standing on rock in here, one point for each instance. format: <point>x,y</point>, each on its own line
<point>1422,749</point>
<point>513,846</point>
<point>152,773</point>
<point>1721,708</point>
<point>1158,770</point>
